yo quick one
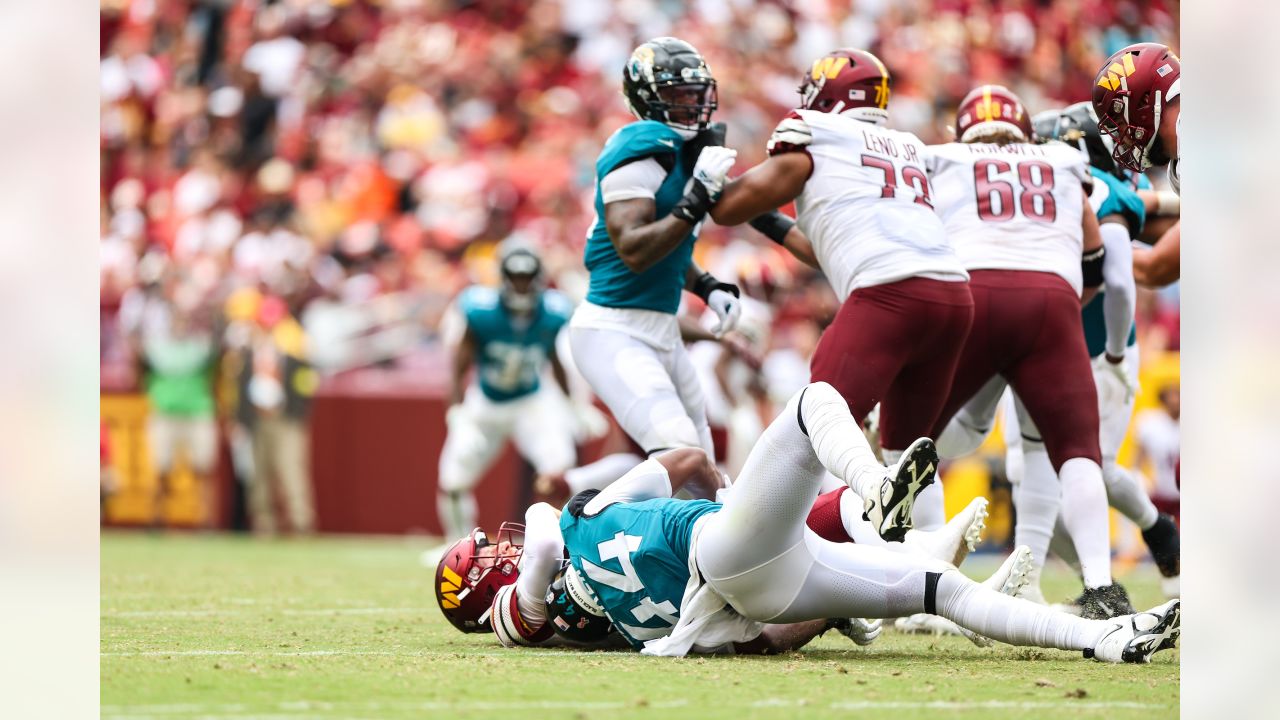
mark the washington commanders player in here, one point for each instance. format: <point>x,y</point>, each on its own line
<point>1020,219</point>
<point>863,200</point>
<point>1137,96</point>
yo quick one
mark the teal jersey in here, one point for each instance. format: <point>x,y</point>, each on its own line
<point>511,352</point>
<point>1118,198</point>
<point>635,558</point>
<point>613,284</point>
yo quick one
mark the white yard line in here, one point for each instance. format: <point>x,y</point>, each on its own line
<point>264,610</point>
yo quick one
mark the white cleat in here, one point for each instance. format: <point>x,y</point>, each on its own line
<point>926,624</point>
<point>954,541</point>
<point>861,631</point>
<point>1014,573</point>
<point>1135,638</point>
<point>890,512</point>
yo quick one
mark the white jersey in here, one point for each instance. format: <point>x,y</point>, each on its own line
<point>866,206</point>
<point>1012,207</point>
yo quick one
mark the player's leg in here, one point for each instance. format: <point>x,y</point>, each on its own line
<point>685,376</point>
<point>939,316</point>
<point>1054,381</point>
<point>203,453</point>
<point>969,427</point>
<point>476,432</point>
<point>543,432</point>
<point>632,380</point>
<point>163,437</point>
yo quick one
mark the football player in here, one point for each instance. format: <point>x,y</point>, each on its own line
<point>674,576</point>
<point>656,177</point>
<point>1137,97</point>
<point>1019,217</point>
<point>864,203</point>
<point>510,338</point>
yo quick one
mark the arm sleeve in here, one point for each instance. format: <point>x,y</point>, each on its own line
<point>635,180</point>
<point>543,553</point>
<point>646,481</point>
<point>1120,298</point>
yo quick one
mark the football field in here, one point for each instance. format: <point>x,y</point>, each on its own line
<point>219,626</point>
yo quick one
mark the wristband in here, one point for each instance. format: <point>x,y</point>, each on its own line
<point>706,283</point>
<point>694,205</point>
<point>1168,203</point>
<point>773,225</point>
<point>1091,267</point>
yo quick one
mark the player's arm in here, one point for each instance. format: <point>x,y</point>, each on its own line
<point>686,467</point>
<point>463,357</point>
<point>519,611</point>
<point>767,186</point>
<point>640,240</point>
<point>1161,203</point>
<point>1117,275</point>
<point>721,297</point>
<point>1160,265</point>
<point>1094,252</point>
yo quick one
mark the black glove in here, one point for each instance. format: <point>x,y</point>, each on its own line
<point>707,282</point>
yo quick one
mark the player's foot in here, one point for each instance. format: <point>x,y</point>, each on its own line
<point>890,512</point>
<point>861,631</point>
<point>1135,638</point>
<point>1014,574</point>
<point>955,540</point>
<point>1165,545</point>
<point>1104,603</point>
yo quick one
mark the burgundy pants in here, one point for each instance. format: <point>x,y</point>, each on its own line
<point>1026,328</point>
<point>897,345</point>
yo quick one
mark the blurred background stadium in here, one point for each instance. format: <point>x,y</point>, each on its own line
<point>293,192</point>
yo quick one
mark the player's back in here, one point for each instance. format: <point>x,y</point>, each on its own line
<point>1015,206</point>
<point>866,207</point>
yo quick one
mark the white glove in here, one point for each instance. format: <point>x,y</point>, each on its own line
<point>726,307</point>
<point>1115,387</point>
<point>712,169</point>
<point>589,422</point>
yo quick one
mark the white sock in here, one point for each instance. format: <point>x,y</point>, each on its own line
<point>601,473</point>
<point>930,510</point>
<point>1012,620</point>
<point>862,531</point>
<point>1084,513</point>
<point>457,512</point>
<point>541,559</point>
<point>1128,496</point>
<point>1038,500</point>
<point>959,438</point>
<point>838,441</point>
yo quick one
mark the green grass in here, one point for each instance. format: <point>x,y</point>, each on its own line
<point>230,627</point>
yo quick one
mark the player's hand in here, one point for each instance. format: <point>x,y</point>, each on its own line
<point>589,422</point>
<point>1115,387</point>
<point>741,349</point>
<point>727,308</point>
<point>712,169</point>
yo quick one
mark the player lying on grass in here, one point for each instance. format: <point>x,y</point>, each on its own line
<point>678,576</point>
<point>545,600</point>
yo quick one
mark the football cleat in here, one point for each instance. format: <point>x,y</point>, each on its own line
<point>1104,603</point>
<point>862,631</point>
<point>1165,545</point>
<point>890,512</point>
<point>1014,573</point>
<point>926,624</point>
<point>955,540</point>
<point>1008,580</point>
<point>1135,638</point>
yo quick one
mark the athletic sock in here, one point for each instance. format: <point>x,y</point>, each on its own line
<point>1084,513</point>
<point>959,438</point>
<point>1012,620</point>
<point>1128,496</point>
<point>457,513</point>
<point>1037,500</point>
<point>930,511</point>
<point>838,441</point>
<point>861,531</point>
<point>601,473</point>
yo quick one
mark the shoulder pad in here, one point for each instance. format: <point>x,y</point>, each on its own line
<point>477,298</point>
<point>557,303</point>
<point>637,140</point>
<point>793,134</point>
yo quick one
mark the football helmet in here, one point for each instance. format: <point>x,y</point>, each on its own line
<point>989,109</point>
<point>573,610</point>
<point>522,279</point>
<point>1129,95</point>
<point>668,81</point>
<point>847,82</point>
<point>471,572</point>
<point>1077,126</point>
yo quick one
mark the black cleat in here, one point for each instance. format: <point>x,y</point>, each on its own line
<point>1164,541</point>
<point>1104,603</point>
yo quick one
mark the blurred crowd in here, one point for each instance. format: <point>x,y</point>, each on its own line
<point>304,185</point>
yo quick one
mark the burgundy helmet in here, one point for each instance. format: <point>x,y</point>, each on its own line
<point>988,109</point>
<point>472,570</point>
<point>847,82</point>
<point>1129,94</point>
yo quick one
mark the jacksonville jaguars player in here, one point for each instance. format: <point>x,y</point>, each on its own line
<point>675,576</point>
<point>510,337</point>
<point>656,179</point>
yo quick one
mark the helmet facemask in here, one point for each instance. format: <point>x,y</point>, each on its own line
<point>667,81</point>
<point>521,281</point>
<point>471,572</point>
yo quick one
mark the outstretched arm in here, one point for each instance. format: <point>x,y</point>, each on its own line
<point>1161,264</point>
<point>767,186</point>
